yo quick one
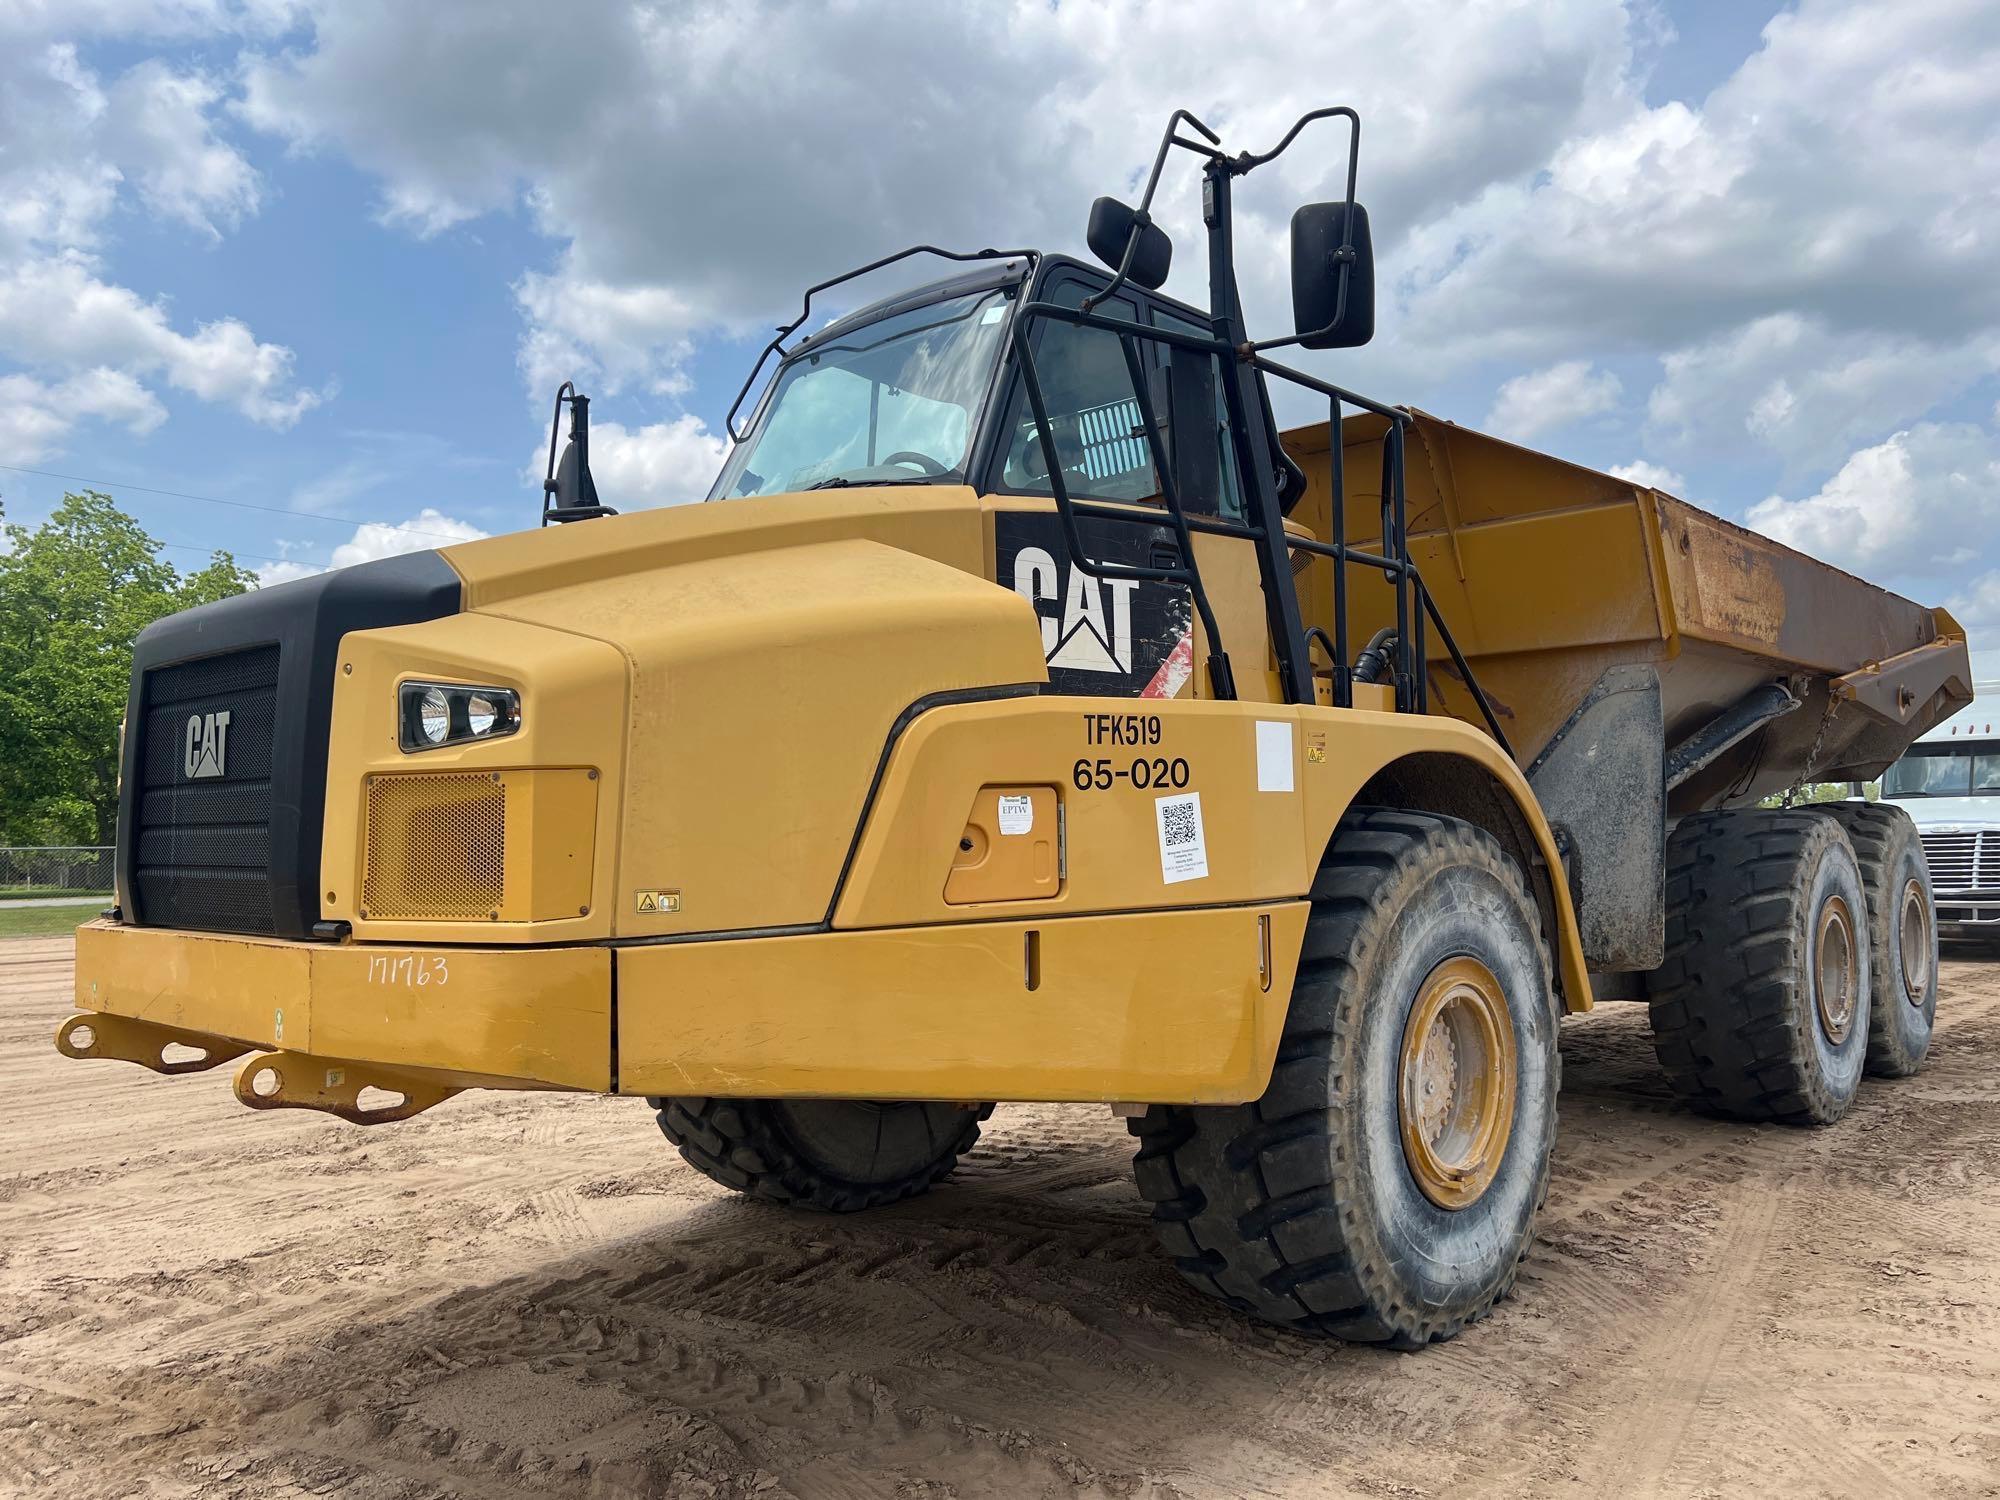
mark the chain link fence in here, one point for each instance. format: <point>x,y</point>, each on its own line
<point>30,872</point>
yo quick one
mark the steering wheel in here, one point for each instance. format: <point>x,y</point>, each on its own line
<point>931,467</point>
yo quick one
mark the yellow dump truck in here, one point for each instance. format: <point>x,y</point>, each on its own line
<point>1029,719</point>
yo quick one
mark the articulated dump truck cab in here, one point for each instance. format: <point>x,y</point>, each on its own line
<point>1026,719</point>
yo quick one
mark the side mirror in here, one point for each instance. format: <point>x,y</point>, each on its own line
<point>1333,293</point>
<point>569,493</point>
<point>1111,225</point>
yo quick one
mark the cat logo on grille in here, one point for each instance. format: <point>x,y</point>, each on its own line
<point>205,751</point>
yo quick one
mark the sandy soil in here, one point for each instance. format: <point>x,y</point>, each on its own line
<point>531,1295</point>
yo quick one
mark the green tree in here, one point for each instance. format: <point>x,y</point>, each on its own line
<point>74,594</point>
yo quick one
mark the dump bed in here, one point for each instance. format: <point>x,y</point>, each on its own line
<point>1550,574</point>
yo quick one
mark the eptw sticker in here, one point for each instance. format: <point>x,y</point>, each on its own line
<point>1100,636</point>
<point>1183,849</point>
<point>1017,814</point>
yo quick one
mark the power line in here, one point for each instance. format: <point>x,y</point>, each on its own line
<point>252,556</point>
<point>272,510</point>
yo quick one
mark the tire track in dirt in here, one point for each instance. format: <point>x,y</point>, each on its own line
<point>532,1295</point>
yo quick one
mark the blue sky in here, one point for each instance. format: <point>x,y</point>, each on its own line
<point>333,259</point>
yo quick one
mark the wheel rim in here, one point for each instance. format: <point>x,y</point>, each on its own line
<point>1916,943</point>
<point>1836,970</point>
<point>1456,1094</point>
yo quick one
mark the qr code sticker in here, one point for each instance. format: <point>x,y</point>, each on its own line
<point>1183,845</point>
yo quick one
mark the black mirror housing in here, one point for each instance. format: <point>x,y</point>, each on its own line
<point>1321,317</point>
<point>1111,225</point>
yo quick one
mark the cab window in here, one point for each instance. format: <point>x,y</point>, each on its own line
<point>1093,411</point>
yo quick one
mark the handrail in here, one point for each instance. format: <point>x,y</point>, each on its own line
<point>1416,608</point>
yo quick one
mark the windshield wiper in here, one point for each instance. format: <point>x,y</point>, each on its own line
<point>839,482</point>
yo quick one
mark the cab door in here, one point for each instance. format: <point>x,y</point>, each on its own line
<point>1119,637</point>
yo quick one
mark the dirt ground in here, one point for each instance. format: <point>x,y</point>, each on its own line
<point>532,1295</point>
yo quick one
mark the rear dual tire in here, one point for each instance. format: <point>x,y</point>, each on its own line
<point>1384,1189</point>
<point>1902,934</point>
<point>1762,1010</point>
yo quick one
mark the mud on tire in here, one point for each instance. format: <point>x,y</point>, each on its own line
<point>1749,1020</point>
<point>1902,934</point>
<point>834,1155</point>
<point>1301,1206</point>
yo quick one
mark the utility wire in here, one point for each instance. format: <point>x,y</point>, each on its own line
<point>272,510</point>
<point>252,556</point>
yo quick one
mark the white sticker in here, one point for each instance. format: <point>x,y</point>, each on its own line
<point>992,314</point>
<point>1183,849</point>
<point>1274,756</point>
<point>1017,814</point>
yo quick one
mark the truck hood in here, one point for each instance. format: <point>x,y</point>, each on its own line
<point>1950,814</point>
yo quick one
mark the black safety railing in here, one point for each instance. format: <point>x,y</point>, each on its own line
<point>1416,612</point>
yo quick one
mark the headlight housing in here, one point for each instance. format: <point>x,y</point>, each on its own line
<point>436,714</point>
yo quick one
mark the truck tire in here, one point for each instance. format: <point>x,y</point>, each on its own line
<point>833,1155</point>
<point>1385,1187</point>
<point>1760,1011</point>
<point>1902,934</point>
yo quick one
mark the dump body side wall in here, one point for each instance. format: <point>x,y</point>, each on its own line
<point>1549,574</point>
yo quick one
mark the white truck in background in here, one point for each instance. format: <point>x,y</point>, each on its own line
<point>1949,783</point>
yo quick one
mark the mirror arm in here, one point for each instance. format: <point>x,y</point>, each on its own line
<point>1143,217</point>
<point>566,389</point>
<point>1249,160</point>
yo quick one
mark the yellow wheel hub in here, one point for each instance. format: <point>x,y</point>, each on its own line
<point>1456,1083</point>
<point>1836,970</point>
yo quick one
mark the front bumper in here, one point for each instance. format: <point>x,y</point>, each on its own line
<point>528,1018</point>
<point>1179,1006</point>
<point>1968,914</point>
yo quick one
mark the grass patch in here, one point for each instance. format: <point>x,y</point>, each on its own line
<point>39,892</point>
<point>43,921</point>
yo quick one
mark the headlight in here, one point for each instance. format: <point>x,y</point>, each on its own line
<point>446,713</point>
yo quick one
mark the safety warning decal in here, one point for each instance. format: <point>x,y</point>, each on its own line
<point>1183,847</point>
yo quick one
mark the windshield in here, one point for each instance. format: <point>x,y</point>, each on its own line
<point>893,401</point>
<point>1945,771</point>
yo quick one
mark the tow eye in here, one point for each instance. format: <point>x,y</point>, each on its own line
<point>294,1080</point>
<point>164,1049</point>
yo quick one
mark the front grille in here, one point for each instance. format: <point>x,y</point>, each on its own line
<point>437,847</point>
<point>202,847</point>
<point>1963,861</point>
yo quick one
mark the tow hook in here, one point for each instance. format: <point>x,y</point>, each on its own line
<point>163,1049</point>
<point>295,1080</point>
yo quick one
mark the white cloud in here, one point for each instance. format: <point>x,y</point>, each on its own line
<point>374,540</point>
<point>693,187</point>
<point>662,463</point>
<point>35,417</point>
<point>1977,606</point>
<point>1652,475</point>
<point>158,128</point>
<point>1545,400</point>
<point>55,314</point>
<point>1842,172</point>
<point>1794,386</point>
<point>1923,502</point>
<point>72,147</point>
<point>603,336</point>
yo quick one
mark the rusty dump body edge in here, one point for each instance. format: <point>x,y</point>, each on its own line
<point>1550,574</point>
